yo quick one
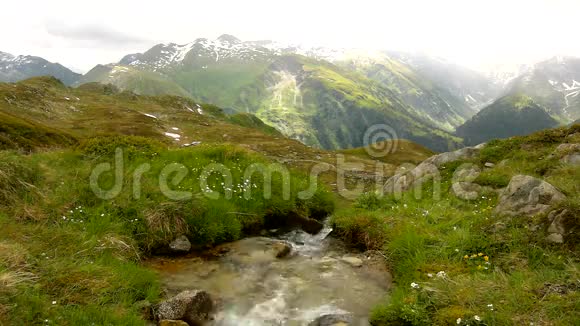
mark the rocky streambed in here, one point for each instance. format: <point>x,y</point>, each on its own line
<point>281,279</point>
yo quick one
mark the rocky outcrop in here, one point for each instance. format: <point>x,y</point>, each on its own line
<point>180,245</point>
<point>568,153</point>
<point>428,169</point>
<point>573,159</point>
<point>466,173</point>
<point>564,149</point>
<point>463,186</point>
<point>526,195</point>
<point>458,155</point>
<point>332,320</point>
<point>193,307</point>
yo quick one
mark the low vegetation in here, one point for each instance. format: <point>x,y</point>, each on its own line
<point>456,262</point>
<point>395,152</point>
<point>72,258</point>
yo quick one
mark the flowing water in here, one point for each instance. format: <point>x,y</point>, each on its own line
<point>253,287</point>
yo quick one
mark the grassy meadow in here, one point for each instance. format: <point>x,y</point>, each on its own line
<point>70,258</point>
<point>455,262</point>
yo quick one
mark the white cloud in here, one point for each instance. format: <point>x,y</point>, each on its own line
<point>81,34</point>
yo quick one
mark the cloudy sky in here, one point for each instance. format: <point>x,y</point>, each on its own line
<point>80,34</point>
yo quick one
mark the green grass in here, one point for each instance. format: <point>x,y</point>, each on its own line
<point>19,134</point>
<point>63,244</point>
<point>402,151</point>
<point>500,269</point>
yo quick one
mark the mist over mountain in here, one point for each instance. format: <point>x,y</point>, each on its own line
<point>555,84</point>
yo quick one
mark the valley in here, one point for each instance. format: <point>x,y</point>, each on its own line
<point>225,182</point>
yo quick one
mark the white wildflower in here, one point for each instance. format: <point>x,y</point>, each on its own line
<point>442,274</point>
<point>458,321</point>
<point>476,317</point>
<point>414,285</point>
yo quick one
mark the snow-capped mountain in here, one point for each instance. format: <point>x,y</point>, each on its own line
<point>293,88</point>
<point>555,84</point>
<point>16,68</point>
<point>181,68</point>
<point>224,48</point>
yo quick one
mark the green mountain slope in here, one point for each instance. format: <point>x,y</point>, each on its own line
<point>307,99</point>
<point>431,101</point>
<point>554,84</point>
<point>18,133</point>
<point>511,115</point>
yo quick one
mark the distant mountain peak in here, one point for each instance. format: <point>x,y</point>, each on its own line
<point>17,68</point>
<point>4,56</point>
<point>229,39</point>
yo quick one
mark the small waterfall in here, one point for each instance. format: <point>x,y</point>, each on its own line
<point>256,288</point>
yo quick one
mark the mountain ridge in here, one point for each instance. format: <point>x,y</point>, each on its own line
<point>512,115</point>
<point>15,68</point>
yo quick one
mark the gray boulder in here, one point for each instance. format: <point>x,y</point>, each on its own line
<point>467,190</point>
<point>555,238</point>
<point>563,225</point>
<point>332,320</point>
<point>567,148</point>
<point>193,307</point>
<point>573,159</point>
<point>526,195</point>
<point>466,172</point>
<point>458,155</point>
<point>180,245</point>
<point>568,153</point>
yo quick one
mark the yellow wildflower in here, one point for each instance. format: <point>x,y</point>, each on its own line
<point>465,257</point>
<point>486,258</point>
<point>480,254</point>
